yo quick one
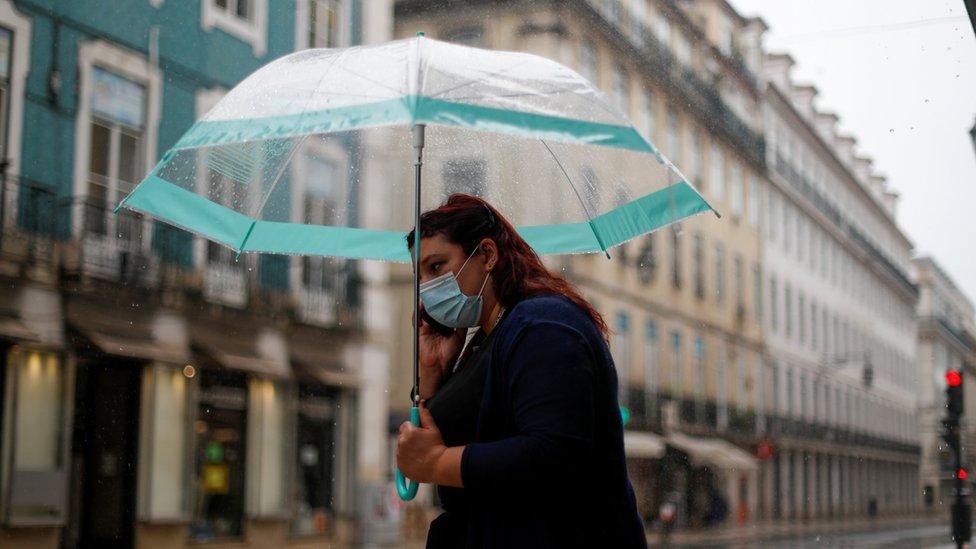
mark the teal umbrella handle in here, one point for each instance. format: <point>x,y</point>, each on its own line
<point>407,489</point>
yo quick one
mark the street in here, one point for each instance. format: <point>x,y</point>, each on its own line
<point>928,536</point>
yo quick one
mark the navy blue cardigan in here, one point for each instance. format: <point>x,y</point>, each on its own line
<point>547,468</point>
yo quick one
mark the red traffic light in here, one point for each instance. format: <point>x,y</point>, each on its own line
<point>962,474</point>
<point>953,378</point>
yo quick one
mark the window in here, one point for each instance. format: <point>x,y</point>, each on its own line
<point>698,259</point>
<point>682,49</point>
<point>621,89</point>
<point>788,313</point>
<point>621,354</point>
<point>221,431</point>
<point>115,141</point>
<point>790,392</point>
<point>741,381</point>
<point>676,258</point>
<point>15,49</point>
<point>804,403</point>
<point>326,24</point>
<point>674,136</point>
<point>662,30</point>
<point>649,115</point>
<point>115,162</point>
<point>740,290</point>
<point>787,226</point>
<point>696,158</point>
<point>802,317</point>
<point>321,177</point>
<point>814,321</point>
<point>754,201</point>
<point>6,44</point>
<point>737,198</point>
<point>465,175</point>
<point>699,367</point>
<point>717,162</point>
<point>37,382</point>
<point>676,363</point>
<point>473,36</point>
<point>773,304</point>
<point>647,260</point>
<point>246,20</point>
<point>650,357</point>
<point>757,305</point>
<point>590,62</point>
<point>722,389</point>
<point>719,273</point>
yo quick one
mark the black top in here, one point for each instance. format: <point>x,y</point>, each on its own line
<point>456,405</point>
<point>546,465</point>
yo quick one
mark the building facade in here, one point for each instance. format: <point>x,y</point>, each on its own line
<point>682,304</point>
<point>156,391</point>
<point>946,340</point>
<point>840,317</point>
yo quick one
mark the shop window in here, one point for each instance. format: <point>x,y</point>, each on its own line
<point>221,429</point>
<point>37,390</point>
<point>314,483</point>
<point>165,443</point>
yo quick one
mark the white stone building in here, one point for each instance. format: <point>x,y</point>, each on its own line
<point>840,319</point>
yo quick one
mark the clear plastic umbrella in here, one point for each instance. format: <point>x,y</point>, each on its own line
<point>310,155</point>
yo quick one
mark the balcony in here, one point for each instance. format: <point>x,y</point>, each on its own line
<point>702,98</point>
<point>125,250</point>
<point>808,191</point>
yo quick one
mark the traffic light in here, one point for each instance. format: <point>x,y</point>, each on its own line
<point>954,402</point>
<point>950,433</point>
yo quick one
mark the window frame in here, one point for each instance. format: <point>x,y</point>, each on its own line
<point>135,67</point>
<point>20,28</point>
<point>253,32</point>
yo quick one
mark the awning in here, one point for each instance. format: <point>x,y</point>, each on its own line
<point>713,452</point>
<point>236,348</point>
<point>121,333</point>
<point>319,356</point>
<point>641,444</point>
<point>12,329</point>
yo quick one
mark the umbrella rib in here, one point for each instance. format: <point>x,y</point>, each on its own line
<point>589,218</point>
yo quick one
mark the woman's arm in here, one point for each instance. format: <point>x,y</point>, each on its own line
<point>552,393</point>
<point>551,388</point>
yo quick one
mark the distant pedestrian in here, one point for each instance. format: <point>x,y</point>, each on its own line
<point>521,431</point>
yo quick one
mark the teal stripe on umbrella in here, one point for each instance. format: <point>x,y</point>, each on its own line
<point>193,212</point>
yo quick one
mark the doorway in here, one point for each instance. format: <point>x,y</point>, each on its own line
<point>105,453</point>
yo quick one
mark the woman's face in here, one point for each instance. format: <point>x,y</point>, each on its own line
<point>438,255</point>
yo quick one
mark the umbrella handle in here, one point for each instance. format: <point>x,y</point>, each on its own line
<point>407,489</point>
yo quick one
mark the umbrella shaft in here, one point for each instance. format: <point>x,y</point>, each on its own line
<point>418,145</point>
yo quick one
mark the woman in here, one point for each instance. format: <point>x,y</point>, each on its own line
<point>520,427</point>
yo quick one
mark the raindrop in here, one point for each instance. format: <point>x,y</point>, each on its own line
<point>891,130</point>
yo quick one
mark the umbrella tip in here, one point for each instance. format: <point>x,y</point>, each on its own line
<point>420,33</point>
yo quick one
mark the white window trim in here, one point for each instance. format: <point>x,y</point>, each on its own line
<point>330,151</point>
<point>254,33</point>
<point>19,67</point>
<point>124,63</point>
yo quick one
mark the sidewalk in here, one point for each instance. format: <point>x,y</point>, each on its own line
<point>772,530</point>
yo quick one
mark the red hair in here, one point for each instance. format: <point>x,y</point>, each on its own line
<point>519,274</point>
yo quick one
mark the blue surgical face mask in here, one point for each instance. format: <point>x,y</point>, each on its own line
<point>446,303</point>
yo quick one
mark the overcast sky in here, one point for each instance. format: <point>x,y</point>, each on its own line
<point>901,74</point>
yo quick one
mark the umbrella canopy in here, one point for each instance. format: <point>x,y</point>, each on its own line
<point>299,157</point>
